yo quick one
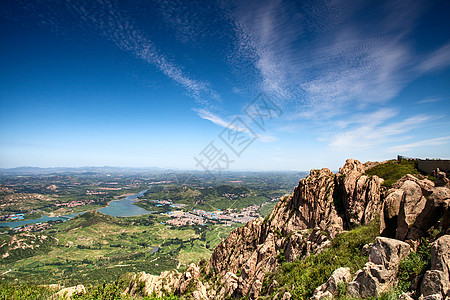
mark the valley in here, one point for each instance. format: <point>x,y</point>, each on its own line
<point>177,223</point>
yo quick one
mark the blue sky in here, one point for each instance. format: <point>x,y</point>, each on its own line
<point>168,83</point>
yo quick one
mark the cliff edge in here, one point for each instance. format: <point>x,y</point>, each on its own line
<point>321,207</point>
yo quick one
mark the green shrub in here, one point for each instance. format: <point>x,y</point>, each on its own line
<point>302,276</point>
<point>415,264</point>
<point>393,170</point>
<point>23,292</point>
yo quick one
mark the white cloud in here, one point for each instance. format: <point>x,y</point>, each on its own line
<point>439,59</point>
<point>373,119</point>
<point>265,138</point>
<point>236,126</point>
<point>109,21</point>
<point>423,143</point>
<point>325,60</point>
<point>429,100</point>
<point>207,115</point>
<point>376,132</point>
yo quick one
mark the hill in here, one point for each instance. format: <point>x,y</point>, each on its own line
<point>341,235</point>
<point>331,223</point>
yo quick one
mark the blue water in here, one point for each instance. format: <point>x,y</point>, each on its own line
<point>125,207</point>
<point>116,208</point>
<point>44,218</point>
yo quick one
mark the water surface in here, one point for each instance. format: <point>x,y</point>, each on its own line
<point>125,207</point>
<point>43,219</point>
<point>116,208</point>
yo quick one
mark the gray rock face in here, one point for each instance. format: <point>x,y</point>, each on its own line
<point>436,206</point>
<point>388,252</point>
<point>435,282</point>
<point>378,275</point>
<point>330,288</point>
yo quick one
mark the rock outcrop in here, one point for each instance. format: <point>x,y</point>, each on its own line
<point>360,194</point>
<point>322,206</point>
<point>379,274</point>
<point>166,282</point>
<point>441,178</point>
<point>339,277</point>
<point>412,207</point>
<point>68,292</point>
<point>435,284</point>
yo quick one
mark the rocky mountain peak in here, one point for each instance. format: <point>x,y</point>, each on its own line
<point>322,206</point>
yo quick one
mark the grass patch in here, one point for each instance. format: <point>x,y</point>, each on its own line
<point>105,291</point>
<point>23,291</point>
<point>415,264</point>
<point>393,170</point>
<point>302,276</point>
<point>266,209</point>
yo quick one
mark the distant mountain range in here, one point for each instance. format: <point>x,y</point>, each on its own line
<point>58,170</point>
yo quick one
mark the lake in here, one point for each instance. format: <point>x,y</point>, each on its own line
<point>116,208</point>
<point>125,207</point>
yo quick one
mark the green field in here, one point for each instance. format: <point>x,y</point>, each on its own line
<point>93,248</point>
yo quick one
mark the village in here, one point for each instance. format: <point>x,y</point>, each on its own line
<point>76,203</point>
<point>224,217</point>
<point>12,217</point>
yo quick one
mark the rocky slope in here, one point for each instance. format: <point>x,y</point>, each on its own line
<point>322,206</point>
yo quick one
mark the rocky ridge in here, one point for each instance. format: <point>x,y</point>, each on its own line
<point>322,206</point>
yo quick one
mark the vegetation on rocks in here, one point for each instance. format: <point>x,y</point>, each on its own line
<point>414,265</point>
<point>302,276</point>
<point>15,291</point>
<point>393,170</point>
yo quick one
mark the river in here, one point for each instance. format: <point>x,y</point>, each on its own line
<point>116,208</point>
<point>42,219</point>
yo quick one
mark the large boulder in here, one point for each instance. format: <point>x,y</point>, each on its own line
<point>435,283</point>
<point>412,207</point>
<point>441,178</point>
<point>436,206</point>
<point>389,212</point>
<point>413,203</point>
<point>388,252</point>
<point>378,275</point>
<point>329,288</point>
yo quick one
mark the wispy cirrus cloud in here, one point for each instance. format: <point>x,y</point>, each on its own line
<point>235,126</point>
<point>120,30</point>
<point>207,115</point>
<point>428,100</point>
<point>191,21</point>
<point>437,60</point>
<point>320,58</point>
<point>423,143</point>
<point>376,130</point>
